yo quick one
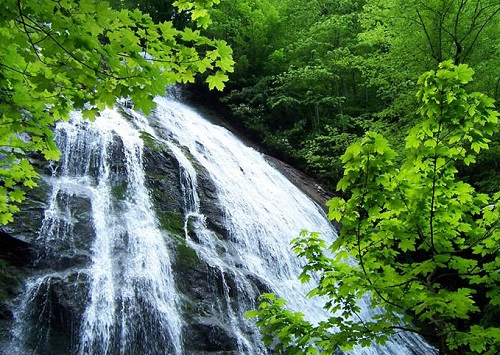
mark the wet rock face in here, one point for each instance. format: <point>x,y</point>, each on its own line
<point>56,308</point>
<point>203,333</point>
<point>15,255</point>
<point>207,293</point>
<point>209,204</point>
<point>207,328</point>
<point>59,300</point>
<point>32,210</point>
<point>162,179</point>
<point>18,251</point>
<point>15,251</point>
<point>209,338</point>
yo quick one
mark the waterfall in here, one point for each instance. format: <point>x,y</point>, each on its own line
<point>129,268</point>
<point>103,238</point>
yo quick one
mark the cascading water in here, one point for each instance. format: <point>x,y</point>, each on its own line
<point>119,256</point>
<point>263,211</point>
<point>129,269</point>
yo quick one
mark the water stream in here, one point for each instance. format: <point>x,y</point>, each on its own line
<point>132,303</point>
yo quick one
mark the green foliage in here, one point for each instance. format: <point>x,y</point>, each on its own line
<point>296,335</point>
<point>302,65</point>
<point>304,93</point>
<point>483,174</point>
<point>405,38</point>
<point>65,55</point>
<point>294,75</point>
<point>159,10</point>
<point>250,27</point>
<point>323,151</point>
<point>425,245</point>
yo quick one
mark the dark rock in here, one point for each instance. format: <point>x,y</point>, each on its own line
<point>309,186</point>
<point>193,282</point>
<point>118,169</point>
<point>17,252</point>
<point>209,337</point>
<point>57,306</point>
<point>32,211</point>
<point>73,230</point>
<point>210,205</point>
<point>163,180</point>
<point>260,285</point>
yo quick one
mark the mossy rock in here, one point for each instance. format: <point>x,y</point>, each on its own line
<point>119,191</point>
<point>9,280</point>
<point>186,256</point>
<point>172,222</point>
<point>153,143</point>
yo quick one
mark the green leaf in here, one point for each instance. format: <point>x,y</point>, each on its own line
<point>217,80</point>
<point>407,244</point>
<point>6,218</point>
<point>251,314</point>
<point>17,195</point>
<point>86,59</point>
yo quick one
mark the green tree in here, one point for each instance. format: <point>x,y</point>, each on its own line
<point>408,37</point>
<point>426,246</point>
<point>252,28</point>
<point>300,83</point>
<point>63,55</point>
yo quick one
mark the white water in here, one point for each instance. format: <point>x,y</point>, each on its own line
<point>264,212</point>
<point>130,275</point>
<point>137,287</point>
<point>132,299</point>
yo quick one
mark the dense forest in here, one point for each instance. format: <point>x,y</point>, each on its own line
<point>312,76</point>
<point>388,102</point>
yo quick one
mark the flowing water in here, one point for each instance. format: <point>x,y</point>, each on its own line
<point>132,303</point>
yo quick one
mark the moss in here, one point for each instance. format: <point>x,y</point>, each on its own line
<point>186,256</point>
<point>149,140</point>
<point>172,222</point>
<point>119,191</point>
<point>153,143</point>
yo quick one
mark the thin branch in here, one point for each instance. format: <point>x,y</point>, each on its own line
<point>477,13</point>
<point>41,29</point>
<point>479,31</point>
<point>41,40</point>
<point>434,181</point>
<point>16,70</point>
<point>429,40</point>
<point>405,329</point>
<point>27,32</point>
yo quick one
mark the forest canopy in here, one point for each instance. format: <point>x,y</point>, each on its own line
<point>312,76</point>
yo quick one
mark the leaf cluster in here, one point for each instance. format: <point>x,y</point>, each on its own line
<point>64,55</point>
